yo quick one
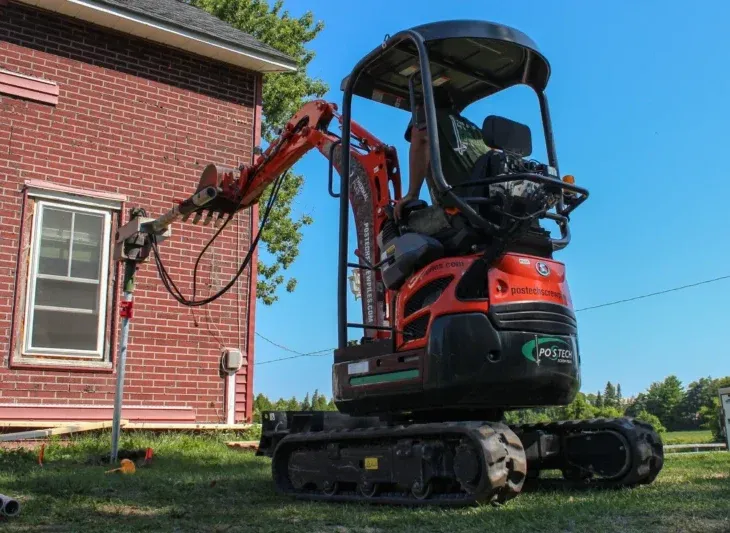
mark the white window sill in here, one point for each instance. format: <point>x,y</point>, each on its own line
<point>39,363</point>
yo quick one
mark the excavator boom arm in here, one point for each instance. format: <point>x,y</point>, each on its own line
<point>374,168</point>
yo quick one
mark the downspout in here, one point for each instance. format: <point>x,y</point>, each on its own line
<point>251,322</point>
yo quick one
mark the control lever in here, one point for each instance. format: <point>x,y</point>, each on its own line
<point>368,263</point>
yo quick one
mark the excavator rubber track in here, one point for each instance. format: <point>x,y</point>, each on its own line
<point>595,453</point>
<point>449,464</point>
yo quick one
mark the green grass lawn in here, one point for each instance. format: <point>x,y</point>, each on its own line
<point>198,484</point>
<point>687,437</point>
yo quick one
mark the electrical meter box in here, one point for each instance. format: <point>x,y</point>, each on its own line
<point>231,359</point>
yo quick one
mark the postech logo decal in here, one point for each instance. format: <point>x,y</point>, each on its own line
<point>550,348</point>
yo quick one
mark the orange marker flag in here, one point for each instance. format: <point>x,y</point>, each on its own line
<point>127,467</point>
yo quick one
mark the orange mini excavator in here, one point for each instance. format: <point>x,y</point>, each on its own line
<point>466,313</point>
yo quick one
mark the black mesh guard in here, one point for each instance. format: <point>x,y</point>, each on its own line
<point>427,295</point>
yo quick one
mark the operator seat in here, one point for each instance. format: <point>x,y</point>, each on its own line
<point>428,233</point>
<point>506,136</point>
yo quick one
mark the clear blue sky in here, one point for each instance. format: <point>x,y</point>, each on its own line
<point>639,101</point>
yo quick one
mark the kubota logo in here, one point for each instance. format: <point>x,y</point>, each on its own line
<point>550,348</point>
<point>542,268</point>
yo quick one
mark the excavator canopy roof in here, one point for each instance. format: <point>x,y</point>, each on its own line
<point>471,59</point>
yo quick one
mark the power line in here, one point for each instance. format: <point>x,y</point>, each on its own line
<point>297,356</point>
<point>277,344</point>
<point>674,289</point>
<point>607,304</point>
<point>320,352</point>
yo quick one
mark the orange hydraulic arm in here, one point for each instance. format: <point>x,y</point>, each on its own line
<point>374,166</point>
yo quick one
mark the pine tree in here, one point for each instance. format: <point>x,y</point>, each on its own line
<point>619,396</point>
<point>599,399</point>
<point>609,395</point>
<point>306,404</point>
<point>319,401</point>
<point>293,404</point>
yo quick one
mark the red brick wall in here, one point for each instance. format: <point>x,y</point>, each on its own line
<point>142,120</point>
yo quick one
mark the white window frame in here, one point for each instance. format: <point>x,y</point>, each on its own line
<point>99,353</point>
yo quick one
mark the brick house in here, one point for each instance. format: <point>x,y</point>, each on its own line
<point>105,105</point>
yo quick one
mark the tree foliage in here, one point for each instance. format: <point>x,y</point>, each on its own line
<point>578,409</point>
<point>649,418</point>
<point>315,402</point>
<point>610,398</point>
<point>663,400</point>
<point>637,405</point>
<point>648,406</point>
<point>283,94</point>
<point>699,393</point>
<point>665,405</point>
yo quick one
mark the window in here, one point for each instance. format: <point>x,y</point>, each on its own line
<point>28,87</point>
<point>67,285</point>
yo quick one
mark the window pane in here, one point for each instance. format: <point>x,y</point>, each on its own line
<point>87,248</point>
<point>66,331</point>
<point>55,240</point>
<point>60,293</point>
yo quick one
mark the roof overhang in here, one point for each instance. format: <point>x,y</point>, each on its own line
<point>162,32</point>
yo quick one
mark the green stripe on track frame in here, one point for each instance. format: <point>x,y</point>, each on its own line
<point>384,378</point>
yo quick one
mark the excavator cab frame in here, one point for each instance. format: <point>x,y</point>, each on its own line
<point>472,60</point>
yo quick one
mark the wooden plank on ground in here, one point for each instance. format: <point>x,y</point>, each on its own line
<point>96,413</point>
<point>162,426</point>
<point>244,444</point>
<point>43,424</point>
<point>63,430</point>
<point>33,424</point>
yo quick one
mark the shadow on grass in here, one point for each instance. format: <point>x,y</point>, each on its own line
<point>212,489</point>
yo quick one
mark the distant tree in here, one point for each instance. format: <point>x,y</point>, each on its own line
<point>710,415</point>
<point>293,404</point>
<point>651,419</point>
<point>699,394</point>
<point>319,401</point>
<point>591,398</point>
<point>663,399</point>
<point>306,404</point>
<point>260,404</point>
<point>608,412</point>
<point>315,402</point>
<point>578,409</point>
<point>528,416</point>
<point>711,418</point>
<point>637,405</point>
<point>599,399</point>
<point>619,396</point>
<point>609,396</point>
<point>281,405</point>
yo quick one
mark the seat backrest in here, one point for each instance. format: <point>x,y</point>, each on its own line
<point>504,134</point>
